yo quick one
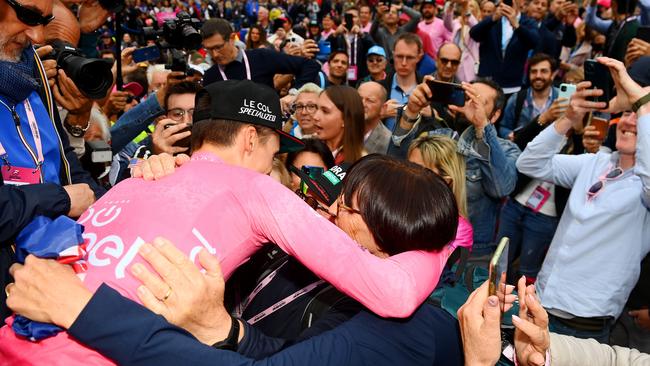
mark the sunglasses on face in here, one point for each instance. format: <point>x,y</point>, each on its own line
<point>446,61</point>
<point>29,16</point>
<point>373,60</point>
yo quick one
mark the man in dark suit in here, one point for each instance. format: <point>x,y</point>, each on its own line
<point>505,39</point>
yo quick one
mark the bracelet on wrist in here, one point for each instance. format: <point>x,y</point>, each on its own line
<point>232,340</point>
<point>640,102</point>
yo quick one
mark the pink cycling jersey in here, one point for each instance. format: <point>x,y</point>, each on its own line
<point>231,212</point>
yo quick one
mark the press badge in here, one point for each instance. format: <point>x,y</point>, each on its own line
<point>352,72</point>
<point>538,198</point>
<point>20,176</point>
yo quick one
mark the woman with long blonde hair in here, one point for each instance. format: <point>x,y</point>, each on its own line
<point>439,154</point>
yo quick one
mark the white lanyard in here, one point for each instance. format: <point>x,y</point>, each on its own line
<point>33,126</point>
<point>278,305</point>
<point>352,50</point>
<point>248,68</point>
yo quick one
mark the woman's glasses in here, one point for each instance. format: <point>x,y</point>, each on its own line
<point>340,205</point>
<point>29,16</point>
<point>597,187</point>
<point>311,201</point>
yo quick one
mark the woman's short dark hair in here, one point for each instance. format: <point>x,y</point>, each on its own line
<point>406,206</point>
<point>314,146</point>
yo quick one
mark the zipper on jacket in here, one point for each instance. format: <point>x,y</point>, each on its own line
<point>16,118</point>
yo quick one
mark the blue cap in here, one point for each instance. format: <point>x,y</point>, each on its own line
<point>376,50</point>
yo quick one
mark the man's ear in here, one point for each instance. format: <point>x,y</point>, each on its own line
<point>250,138</point>
<point>233,37</point>
<point>495,116</point>
<point>420,55</point>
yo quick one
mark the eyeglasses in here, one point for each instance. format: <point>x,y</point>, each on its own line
<point>404,58</point>
<point>446,61</point>
<point>29,16</point>
<point>340,205</point>
<point>216,48</point>
<point>597,187</point>
<point>374,60</point>
<point>177,114</point>
<point>309,108</point>
<point>311,201</point>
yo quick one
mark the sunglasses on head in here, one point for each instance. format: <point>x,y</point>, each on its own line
<point>29,16</point>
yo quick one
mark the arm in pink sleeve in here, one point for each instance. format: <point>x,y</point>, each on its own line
<point>392,287</point>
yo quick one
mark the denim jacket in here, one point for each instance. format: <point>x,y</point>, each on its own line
<point>133,122</point>
<point>527,114</point>
<point>491,175</point>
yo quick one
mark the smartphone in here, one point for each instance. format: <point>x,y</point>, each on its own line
<point>183,142</point>
<point>312,172</point>
<point>600,78</point>
<point>566,91</point>
<point>324,50</point>
<point>643,33</point>
<point>349,21</point>
<point>446,93</point>
<point>498,269</point>
<point>146,54</point>
<point>508,2</point>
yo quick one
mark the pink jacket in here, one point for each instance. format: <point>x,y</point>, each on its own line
<point>231,212</point>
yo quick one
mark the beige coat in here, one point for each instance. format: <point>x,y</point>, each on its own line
<point>571,351</point>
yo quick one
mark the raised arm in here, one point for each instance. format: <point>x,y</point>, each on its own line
<point>305,70</point>
<point>391,287</point>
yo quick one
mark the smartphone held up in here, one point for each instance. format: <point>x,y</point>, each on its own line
<point>446,93</point>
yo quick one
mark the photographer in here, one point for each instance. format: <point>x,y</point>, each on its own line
<point>45,176</point>
<point>259,65</point>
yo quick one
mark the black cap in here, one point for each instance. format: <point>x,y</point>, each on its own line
<point>428,2</point>
<point>327,186</point>
<point>248,102</point>
<point>640,71</point>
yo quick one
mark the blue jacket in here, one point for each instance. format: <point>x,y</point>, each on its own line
<point>129,334</point>
<point>20,204</point>
<point>133,122</point>
<point>506,70</point>
<point>491,176</point>
<point>526,115</point>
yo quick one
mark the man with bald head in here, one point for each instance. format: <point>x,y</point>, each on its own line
<point>377,135</point>
<point>449,55</point>
<point>41,175</point>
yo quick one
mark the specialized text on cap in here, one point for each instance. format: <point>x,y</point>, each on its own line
<point>257,109</point>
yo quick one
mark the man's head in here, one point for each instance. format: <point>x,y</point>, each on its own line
<point>391,17</point>
<point>407,52</point>
<point>219,41</point>
<point>492,95</point>
<point>428,9</point>
<point>64,27</point>
<point>541,71</point>
<point>338,65</point>
<point>376,60</point>
<point>241,120</point>
<point>157,77</point>
<point>305,107</point>
<point>448,60</point>
<point>487,9</point>
<point>179,101</point>
<point>22,23</point>
<point>537,9</point>
<point>626,134</point>
<point>373,96</point>
<point>263,15</point>
<point>365,14</point>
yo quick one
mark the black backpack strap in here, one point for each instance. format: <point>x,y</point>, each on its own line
<point>519,103</point>
<point>469,278</point>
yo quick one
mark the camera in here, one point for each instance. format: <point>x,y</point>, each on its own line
<point>177,36</point>
<point>92,76</point>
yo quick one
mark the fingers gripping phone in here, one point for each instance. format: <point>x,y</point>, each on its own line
<point>446,93</point>
<point>498,269</point>
<point>600,78</point>
<point>566,91</point>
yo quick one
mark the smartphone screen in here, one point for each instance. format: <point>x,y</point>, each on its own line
<point>498,270</point>
<point>146,54</point>
<point>508,2</point>
<point>643,33</point>
<point>446,93</point>
<point>349,21</point>
<point>600,78</point>
<point>312,172</point>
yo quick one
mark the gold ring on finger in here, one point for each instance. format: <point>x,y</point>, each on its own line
<point>168,294</point>
<point>7,289</point>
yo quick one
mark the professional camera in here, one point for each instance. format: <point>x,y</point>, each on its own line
<point>177,36</point>
<point>179,33</point>
<point>92,76</point>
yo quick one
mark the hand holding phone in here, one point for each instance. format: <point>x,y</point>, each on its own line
<point>498,268</point>
<point>446,93</point>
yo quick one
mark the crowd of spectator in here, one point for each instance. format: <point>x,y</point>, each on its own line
<point>296,182</point>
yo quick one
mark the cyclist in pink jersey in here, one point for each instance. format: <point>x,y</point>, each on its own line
<point>213,203</point>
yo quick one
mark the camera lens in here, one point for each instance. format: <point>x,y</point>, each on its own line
<point>191,38</point>
<point>93,77</point>
<point>563,88</point>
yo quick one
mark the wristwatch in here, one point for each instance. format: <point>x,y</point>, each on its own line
<point>410,120</point>
<point>75,130</point>
<point>232,341</point>
<point>643,100</point>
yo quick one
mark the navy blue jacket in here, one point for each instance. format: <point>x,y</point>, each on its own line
<point>129,334</point>
<point>507,71</point>
<point>264,64</point>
